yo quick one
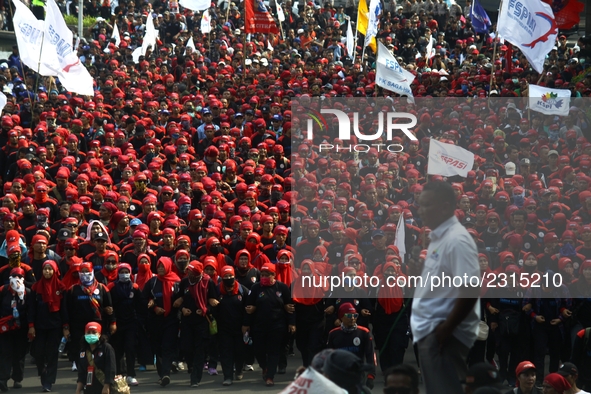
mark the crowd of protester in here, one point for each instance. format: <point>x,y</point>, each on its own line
<point>178,196</point>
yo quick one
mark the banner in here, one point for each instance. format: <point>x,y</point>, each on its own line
<point>448,160</point>
<point>205,23</point>
<point>549,101</point>
<point>258,19</point>
<point>375,10</point>
<point>196,5</point>
<point>400,240</point>
<point>150,38</point>
<point>530,25</point>
<point>58,42</point>
<point>363,22</point>
<point>312,382</point>
<point>280,13</point>
<point>389,74</point>
<point>29,36</point>
<point>479,18</point>
<point>190,44</point>
<point>350,41</point>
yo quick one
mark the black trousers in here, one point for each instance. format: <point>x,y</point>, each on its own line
<point>231,346</point>
<point>163,338</point>
<point>145,355</point>
<point>268,347</point>
<point>510,351</point>
<point>45,351</point>
<point>546,336</point>
<point>393,347</point>
<point>213,351</point>
<point>124,342</point>
<point>309,340</point>
<point>193,344</point>
<point>76,335</point>
<point>14,346</point>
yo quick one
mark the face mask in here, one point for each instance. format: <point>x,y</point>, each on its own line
<point>91,339</point>
<point>266,282</point>
<point>229,282</point>
<point>184,210</point>
<point>124,277</point>
<point>182,148</point>
<point>251,247</point>
<point>249,178</point>
<point>182,264</point>
<point>185,124</point>
<point>518,200</point>
<point>86,278</point>
<point>18,286</point>
<point>216,249</point>
<point>348,282</point>
<point>41,221</point>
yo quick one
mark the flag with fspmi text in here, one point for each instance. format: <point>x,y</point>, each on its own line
<point>448,160</point>
<point>390,75</point>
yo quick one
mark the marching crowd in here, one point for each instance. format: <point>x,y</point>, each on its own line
<point>167,219</point>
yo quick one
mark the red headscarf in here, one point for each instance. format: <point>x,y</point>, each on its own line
<point>308,294</point>
<point>210,261</point>
<point>285,273</point>
<point>247,254</point>
<point>111,276</point>
<point>168,280</point>
<point>69,279</point>
<point>51,290</point>
<point>228,269</point>
<point>220,257</point>
<point>144,271</point>
<point>389,296</point>
<point>199,289</point>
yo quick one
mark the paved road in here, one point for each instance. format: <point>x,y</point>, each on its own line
<point>252,383</point>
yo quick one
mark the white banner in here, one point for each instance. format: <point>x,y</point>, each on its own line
<point>116,35</point>
<point>375,10</point>
<point>448,160</point>
<point>312,382</point>
<point>206,23</point>
<point>150,38</point>
<point>389,74</point>
<point>280,13</point>
<point>29,36</point>
<point>530,25</point>
<point>3,101</point>
<point>549,101</point>
<point>190,44</point>
<point>58,41</point>
<point>196,5</point>
<point>350,40</point>
<point>400,240</point>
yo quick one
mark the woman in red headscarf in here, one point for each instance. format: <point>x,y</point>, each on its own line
<point>144,274</point>
<point>308,293</point>
<point>199,295</point>
<point>48,322</point>
<point>216,250</point>
<point>120,227</point>
<point>254,246</point>
<point>246,273</point>
<point>108,274</point>
<point>284,270</point>
<point>390,317</point>
<point>161,292</point>
<point>71,277</point>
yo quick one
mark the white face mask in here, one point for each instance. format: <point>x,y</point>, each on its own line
<point>124,277</point>
<point>18,285</point>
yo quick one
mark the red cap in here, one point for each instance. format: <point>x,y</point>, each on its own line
<point>268,267</point>
<point>524,366</point>
<point>93,326</point>
<point>347,307</point>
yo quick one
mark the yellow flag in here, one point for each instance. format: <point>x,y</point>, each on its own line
<point>363,22</point>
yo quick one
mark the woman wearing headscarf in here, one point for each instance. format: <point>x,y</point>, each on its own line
<point>308,297</point>
<point>108,274</point>
<point>87,301</point>
<point>230,314</point>
<point>144,274</point>
<point>87,247</point>
<point>97,353</point>
<point>198,295</point>
<point>390,318</point>
<point>270,314</point>
<point>254,246</point>
<point>48,322</point>
<point>120,227</point>
<point>284,269</point>
<point>246,273</point>
<point>160,293</point>
<point>129,307</point>
<point>181,261</point>
<point>210,265</point>
<point>72,275</point>
<point>15,301</point>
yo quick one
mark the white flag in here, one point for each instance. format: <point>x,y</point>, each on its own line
<point>350,40</point>
<point>190,44</point>
<point>280,13</point>
<point>116,35</point>
<point>530,25</point>
<point>430,51</point>
<point>3,101</point>
<point>311,381</point>
<point>205,23</point>
<point>389,74</point>
<point>29,33</point>
<point>549,101</point>
<point>269,46</point>
<point>448,160</point>
<point>400,240</point>
<point>58,41</point>
<point>196,5</point>
<point>375,10</point>
<point>150,38</point>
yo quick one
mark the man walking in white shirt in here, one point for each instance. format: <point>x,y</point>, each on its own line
<point>444,319</point>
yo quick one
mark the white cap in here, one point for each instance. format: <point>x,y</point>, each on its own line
<point>443,79</point>
<point>300,31</point>
<point>510,168</point>
<point>247,62</point>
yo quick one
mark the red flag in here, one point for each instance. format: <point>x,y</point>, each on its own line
<point>258,19</point>
<point>567,13</point>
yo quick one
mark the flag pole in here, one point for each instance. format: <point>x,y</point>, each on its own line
<point>492,73</point>
<point>228,11</point>
<point>38,63</point>
<point>356,33</point>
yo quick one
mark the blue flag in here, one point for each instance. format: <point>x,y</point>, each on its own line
<point>479,18</point>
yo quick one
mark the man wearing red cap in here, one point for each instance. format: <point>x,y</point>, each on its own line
<point>353,338</point>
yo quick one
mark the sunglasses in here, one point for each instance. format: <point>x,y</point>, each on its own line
<point>69,249</point>
<point>111,262</point>
<point>71,225</point>
<point>167,194</point>
<point>351,315</point>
